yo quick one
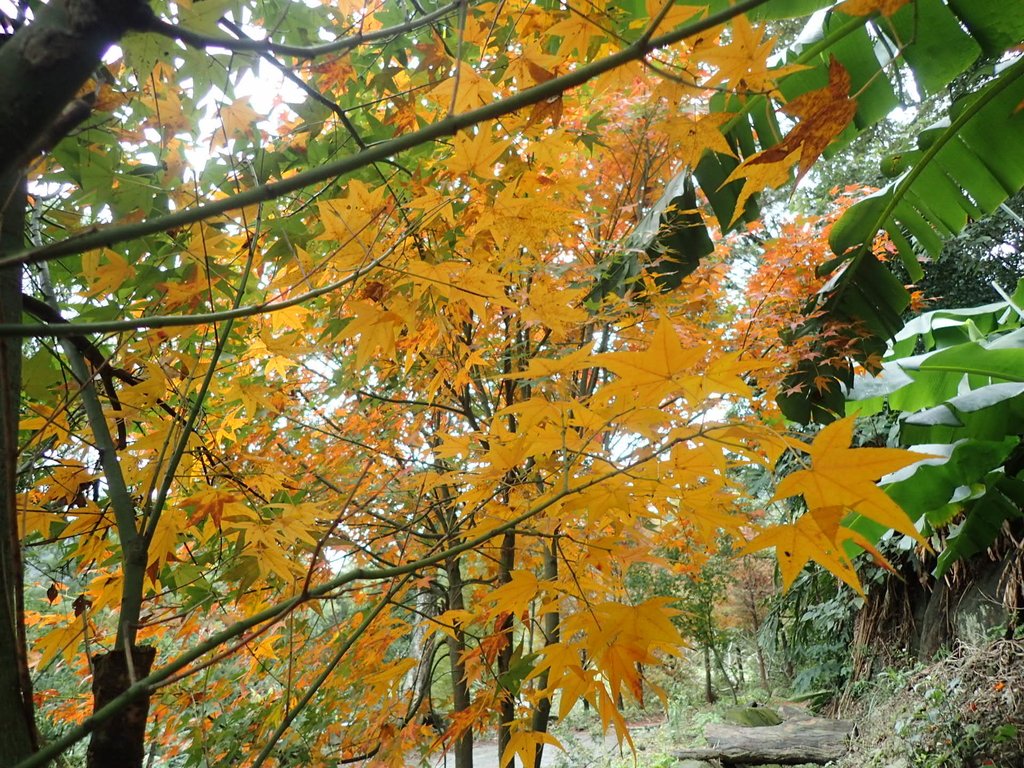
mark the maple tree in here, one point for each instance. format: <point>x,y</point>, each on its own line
<point>399,368</point>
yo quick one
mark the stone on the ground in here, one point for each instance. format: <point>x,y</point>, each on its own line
<point>752,717</point>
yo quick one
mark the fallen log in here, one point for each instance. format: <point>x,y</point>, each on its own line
<point>794,742</point>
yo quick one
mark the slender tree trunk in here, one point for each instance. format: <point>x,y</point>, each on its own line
<point>456,652</point>
<point>762,666</point>
<point>709,693</point>
<point>418,680</point>
<point>507,708</point>
<point>120,740</point>
<point>720,663</point>
<point>17,728</point>
<point>542,714</point>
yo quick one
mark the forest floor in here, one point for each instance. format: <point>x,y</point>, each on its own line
<point>965,709</point>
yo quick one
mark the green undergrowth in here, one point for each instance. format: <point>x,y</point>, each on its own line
<point>962,711</point>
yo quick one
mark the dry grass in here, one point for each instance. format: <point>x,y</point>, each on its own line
<point>964,710</point>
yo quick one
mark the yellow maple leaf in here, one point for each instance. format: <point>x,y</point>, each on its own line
<point>812,537</point>
<point>724,376</point>
<point>376,328</point>
<point>532,66</point>
<point>450,621</point>
<point>467,91</point>
<point>759,174</point>
<point>63,639</point>
<point>515,595</point>
<point>107,270</point>
<point>476,154</point>
<point>759,444</point>
<point>694,135</point>
<point>557,308</point>
<point>523,742</point>
<point>350,218</point>
<point>742,61</point>
<point>630,635</point>
<point>577,31</point>
<point>146,392</point>
<point>656,371</point>
<point>846,477</point>
<point>676,14</point>
<point>237,118</point>
<point>543,367</point>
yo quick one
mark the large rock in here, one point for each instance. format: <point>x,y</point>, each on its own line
<point>752,717</point>
<point>797,740</point>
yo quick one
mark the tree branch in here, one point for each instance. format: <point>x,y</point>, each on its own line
<point>66,328</point>
<point>47,61</point>
<point>305,52</point>
<point>107,236</point>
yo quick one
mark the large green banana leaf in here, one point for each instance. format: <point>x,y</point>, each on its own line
<point>956,379</point>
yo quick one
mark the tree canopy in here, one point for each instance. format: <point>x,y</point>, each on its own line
<point>353,353</point>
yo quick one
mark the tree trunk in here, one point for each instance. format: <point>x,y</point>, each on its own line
<point>709,693</point>
<point>17,734</point>
<point>755,620</point>
<point>42,66</point>
<point>120,741</point>
<point>542,714</point>
<point>456,651</point>
<point>720,663</point>
<point>798,740</point>
<point>507,707</point>
<point>45,63</point>
<point>419,679</point>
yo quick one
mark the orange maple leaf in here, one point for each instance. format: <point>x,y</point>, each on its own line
<point>866,7</point>
<point>823,114</point>
<point>550,107</point>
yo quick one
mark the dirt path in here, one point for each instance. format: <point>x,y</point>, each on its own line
<point>581,750</point>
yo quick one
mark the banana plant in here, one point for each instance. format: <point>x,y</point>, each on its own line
<point>956,380</point>
<point>963,169</point>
